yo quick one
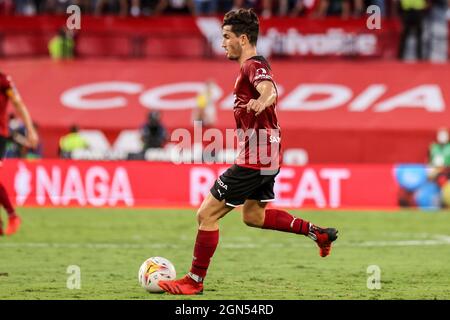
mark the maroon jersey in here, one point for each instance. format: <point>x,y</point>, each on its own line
<point>259,136</point>
<point>5,84</point>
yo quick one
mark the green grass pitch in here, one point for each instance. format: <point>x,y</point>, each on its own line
<point>411,248</point>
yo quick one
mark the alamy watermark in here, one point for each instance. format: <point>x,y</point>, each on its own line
<point>73,22</point>
<point>373,21</point>
<point>374,279</point>
<point>74,278</point>
<point>259,147</point>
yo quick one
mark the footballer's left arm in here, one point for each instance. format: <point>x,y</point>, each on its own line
<point>22,110</point>
<point>267,96</point>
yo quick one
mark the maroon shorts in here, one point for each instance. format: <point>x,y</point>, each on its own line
<point>238,184</point>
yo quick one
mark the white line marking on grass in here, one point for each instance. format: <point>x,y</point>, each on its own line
<point>438,240</point>
<point>86,245</point>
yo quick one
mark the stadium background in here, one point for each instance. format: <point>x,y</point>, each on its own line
<point>347,103</point>
<point>357,121</point>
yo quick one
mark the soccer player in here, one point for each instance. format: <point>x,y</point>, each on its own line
<point>9,92</point>
<point>249,183</point>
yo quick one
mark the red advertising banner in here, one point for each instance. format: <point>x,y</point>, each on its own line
<point>153,184</point>
<point>200,37</point>
<point>373,112</point>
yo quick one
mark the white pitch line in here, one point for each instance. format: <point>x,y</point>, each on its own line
<point>438,240</point>
<point>402,243</point>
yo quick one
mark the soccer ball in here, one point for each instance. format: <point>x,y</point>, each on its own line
<point>154,269</point>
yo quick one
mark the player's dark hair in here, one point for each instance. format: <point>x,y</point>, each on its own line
<point>243,21</point>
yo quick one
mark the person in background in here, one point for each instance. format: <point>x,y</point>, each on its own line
<point>296,8</point>
<point>111,7</point>
<point>439,151</point>
<point>344,8</point>
<point>153,132</point>
<point>71,142</point>
<point>6,7</point>
<point>16,128</point>
<point>439,163</point>
<point>175,7</point>
<point>205,7</point>
<point>206,108</point>
<point>17,145</point>
<point>413,13</point>
<point>62,45</point>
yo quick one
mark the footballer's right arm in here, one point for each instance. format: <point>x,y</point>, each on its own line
<point>22,111</point>
<point>267,96</point>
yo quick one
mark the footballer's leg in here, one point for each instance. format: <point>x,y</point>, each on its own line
<point>1,227</point>
<point>208,216</point>
<point>13,219</point>
<point>256,215</point>
<point>253,213</point>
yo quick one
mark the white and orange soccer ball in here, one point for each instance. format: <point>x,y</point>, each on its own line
<point>154,269</point>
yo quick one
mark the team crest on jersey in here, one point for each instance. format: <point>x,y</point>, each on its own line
<point>261,73</point>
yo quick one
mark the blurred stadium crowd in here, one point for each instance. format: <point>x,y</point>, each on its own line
<point>266,8</point>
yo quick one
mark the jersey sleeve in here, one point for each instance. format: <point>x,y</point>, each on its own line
<point>258,72</point>
<point>5,83</point>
